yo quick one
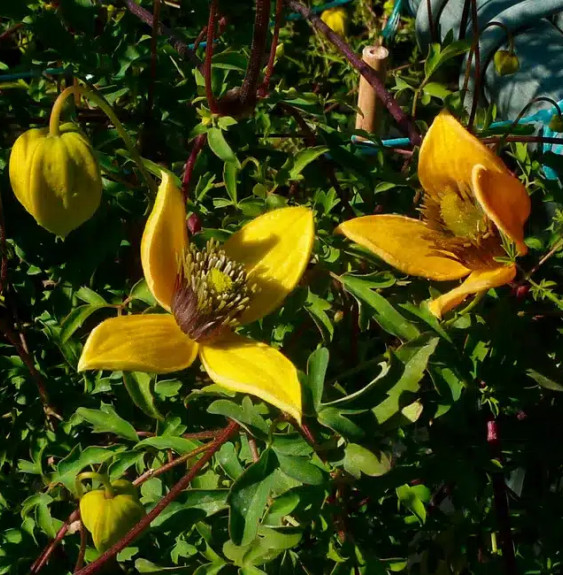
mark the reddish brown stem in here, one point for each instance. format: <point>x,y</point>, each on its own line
<point>501,499</point>
<point>180,46</point>
<point>253,448</point>
<point>40,562</point>
<point>431,23</point>
<point>190,164</point>
<point>403,120</point>
<point>133,533</point>
<point>477,55</point>
<point>82,550</point>
<point>261,24</point>
<point>530,139</point>
<point>154,40</point>
<point>10,31</point>
<point>263,91</point>
<point>211,101</point>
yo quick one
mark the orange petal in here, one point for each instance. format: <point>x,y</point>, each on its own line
<point>448,154</point>
<point>247,366</point>
<point>405,243</point>
<point>275,249</point>
<point>477,281</point>
<point>151,342</point>
<point>504,199</point>
<point>164,240</point>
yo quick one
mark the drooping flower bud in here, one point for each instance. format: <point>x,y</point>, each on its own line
<point>56,177</point>
<point>108,517</point>
<point>506,62</point>
<point>336,19</point>
<point>556,123</point>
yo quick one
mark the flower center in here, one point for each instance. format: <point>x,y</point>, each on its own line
<point>211,293</point>
<point>461,217</point>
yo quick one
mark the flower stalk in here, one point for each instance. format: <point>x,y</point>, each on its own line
<point>135,531</point>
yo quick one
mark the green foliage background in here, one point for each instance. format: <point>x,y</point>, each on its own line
<point>400,477</point>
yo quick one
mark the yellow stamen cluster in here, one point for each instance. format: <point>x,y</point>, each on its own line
<point>211,292</point>
<point>469,236</point>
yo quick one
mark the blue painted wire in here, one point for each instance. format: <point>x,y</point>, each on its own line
<point>31,74</point>
<point>393,22</point>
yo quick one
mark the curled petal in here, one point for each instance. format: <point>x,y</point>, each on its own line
<point>275,249</point>
<point>448,154</point>
<point>406,244</point>
<point>477,281</point>
<point>151,342</point>
<point>164,240</point>
<point>247,366</point>
<point>504,199</point>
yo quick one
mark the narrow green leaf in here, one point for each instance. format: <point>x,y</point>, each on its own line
<point>382,311</point>
<point>106,420</point>
<point>220,147</point>
<point>139,388</point>
<point>317,365</point>
<point>76,318</point>
<point>248,498</point>
<point>230,175</point>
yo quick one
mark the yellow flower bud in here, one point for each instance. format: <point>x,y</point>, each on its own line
<point>108,519</point>
<point>506,62</point>
<point>556,123</point>
<point>56,177</point>
<point>336,19</point>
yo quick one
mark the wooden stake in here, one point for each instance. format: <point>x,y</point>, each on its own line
<point>369,105</point>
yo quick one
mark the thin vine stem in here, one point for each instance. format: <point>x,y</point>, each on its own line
<point>133,533</point>
<point>263,90</point>
<point>92,94</point>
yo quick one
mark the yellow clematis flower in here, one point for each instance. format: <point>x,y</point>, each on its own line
<point>208,292</point>
<point>336,19</point>
<point>470,197</point>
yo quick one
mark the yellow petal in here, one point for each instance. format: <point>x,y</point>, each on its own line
<point>246,366</point>
<point>164,240</point>
<point>405,243</point>
<point>477,281</point>
<point>448,154</point>
<point>275,249</point>
<point>151,342</point>
<point>504,199</point>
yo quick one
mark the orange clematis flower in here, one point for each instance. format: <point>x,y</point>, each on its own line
<point>470,199</point>
<point>207,293</point>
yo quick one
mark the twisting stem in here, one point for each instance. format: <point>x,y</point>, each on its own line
<point>190,164</point>
<point>405,123</point>
<point>133,533</point>
<point>82,550</point>
<point>92,94</point>
<point>477,54</point>
<point>501,499</point>
<point>261,24</point>
<point>211,101</point>
<point>270,67</point>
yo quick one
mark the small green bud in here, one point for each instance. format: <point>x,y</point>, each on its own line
<point>556,123</point>
<point>109,518</point>
<point>506,62</point>
<point>56,177</point>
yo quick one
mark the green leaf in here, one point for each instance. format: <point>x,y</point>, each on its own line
<point>317,307</point>
<point>230,175</point>
<point>138,386</point>
<point>75,319</point>
<point>248,498</point>
<point>180,445</point>
<point>303,158</point>
<point>410,498</point>
<point>335,419</point>
<point>228,460</point>
<point>413,358</point>
<point>358,460</point>
<point>300,468</point>
<point>317,364</point>
<point>106,420</point>
<point>382,311</point>
<point>220,147</point>
<point>246,414</point>
<point>89,296</point>
<point>544,381</point>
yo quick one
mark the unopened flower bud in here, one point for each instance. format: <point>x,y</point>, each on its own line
<point>194,224</point>
<point>556,123</point>
<point>336,19</point>
<point>108,517</point>
<point>56,177</point>
<point>506,62</point>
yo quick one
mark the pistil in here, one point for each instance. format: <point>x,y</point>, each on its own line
<point>212,291</point>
